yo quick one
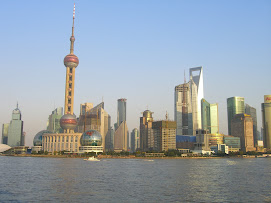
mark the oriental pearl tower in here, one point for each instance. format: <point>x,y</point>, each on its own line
<point>68,121</point>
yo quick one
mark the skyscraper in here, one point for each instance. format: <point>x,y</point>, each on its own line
<point>54,121</point>
<point>205,115</point>
<point>249,110</point>
<point>134,137</point>
<point>121,110</point>
<point>147,140</point>
<point>68,121</point>
<point>183,109</point>
<point>209,117</point>
<point>15,130</point>
<point>214,118</point>
<point>196,79</point>
<point>266,119</point>
<point>235,105</point>
<point>121,130</point>
<point>5,127</point>
<point>242,126</point>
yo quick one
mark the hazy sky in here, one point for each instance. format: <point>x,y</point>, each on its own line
<point>134,49</point>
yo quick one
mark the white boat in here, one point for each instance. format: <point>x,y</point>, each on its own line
<point>92,158</point>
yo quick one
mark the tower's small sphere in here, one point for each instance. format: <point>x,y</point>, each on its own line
<point>38,137</point>
<point>71,61</point>
<point>91,138</point>
<point>68,121</point>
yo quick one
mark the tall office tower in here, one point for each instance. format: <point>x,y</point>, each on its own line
<point>120,138</point>
<point>54,121</point>
<point>112,137</point>
<point>165,135</point>
<point>196,83</point>
<point>242,126</point>
<point>183,109</point>
<point>266,119</point>
<point>205,115</point>
<point>15,130</point>
<point>209,117</point>
<point>95,118</point>
<point>147,141</point>
<point>235,105</point>
<point>121,111</point>
<point>252,112</point>
<point>5,127</point>
<point>134,139</point>
<point>68,122</point>
<point>214,118</point>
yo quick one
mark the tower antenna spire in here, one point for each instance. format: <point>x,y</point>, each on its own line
<point>184,77</point>
<point>72,39</point>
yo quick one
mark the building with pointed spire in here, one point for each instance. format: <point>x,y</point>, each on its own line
<point>15,129</point>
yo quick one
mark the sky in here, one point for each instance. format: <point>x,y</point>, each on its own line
<point>137,49</point>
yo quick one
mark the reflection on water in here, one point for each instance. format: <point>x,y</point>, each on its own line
<point>27,179</point>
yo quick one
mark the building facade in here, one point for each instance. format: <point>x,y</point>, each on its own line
<point>134,139</point>
<point>235,105</point>
<point>266,121</point>
<point>164,133</point>
<point>120,138</point>
<point>5,127</point>
<point>249,110</point>
<point>121,111</point>
<point>15,129</point>
<point>214,118</point>
<point>242,126</point>
<point>147,141</point>
<point>183,109</point>
<point>197,94</point>
<point>233,143</point>
<point>54,121</point>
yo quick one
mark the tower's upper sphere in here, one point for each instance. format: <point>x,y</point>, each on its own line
<point>38,138</point>
<point>91,138</point>
<point>68,121</point>
<point>71,61</point>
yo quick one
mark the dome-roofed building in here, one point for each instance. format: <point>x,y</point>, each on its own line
<point>91,141</point>
<point>37,141</point>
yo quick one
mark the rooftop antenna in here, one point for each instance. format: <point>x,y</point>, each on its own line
<point>72,37</point>
<point>17,105</point>
<point>184,77</point>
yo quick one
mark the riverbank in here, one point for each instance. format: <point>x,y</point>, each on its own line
<point>123,157</point>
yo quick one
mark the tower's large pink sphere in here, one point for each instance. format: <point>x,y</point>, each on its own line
<point>68,121</point>
<point>71,61</point>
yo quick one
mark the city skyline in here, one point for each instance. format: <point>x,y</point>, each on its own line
<point>38,86</point>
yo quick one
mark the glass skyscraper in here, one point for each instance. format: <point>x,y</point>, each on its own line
<point>209,117</point>
<point>54,121</point>
<point>5,133</point>
<point>121,111</point>
<point>235,105</point>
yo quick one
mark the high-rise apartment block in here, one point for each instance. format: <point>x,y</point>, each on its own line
<point>54,121</point>
<point>15,130</point>
<point>235,105</point>
<point>249,110</point>
<point>242,126</point>
<point>266,119</point>
<point>188,103</point>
